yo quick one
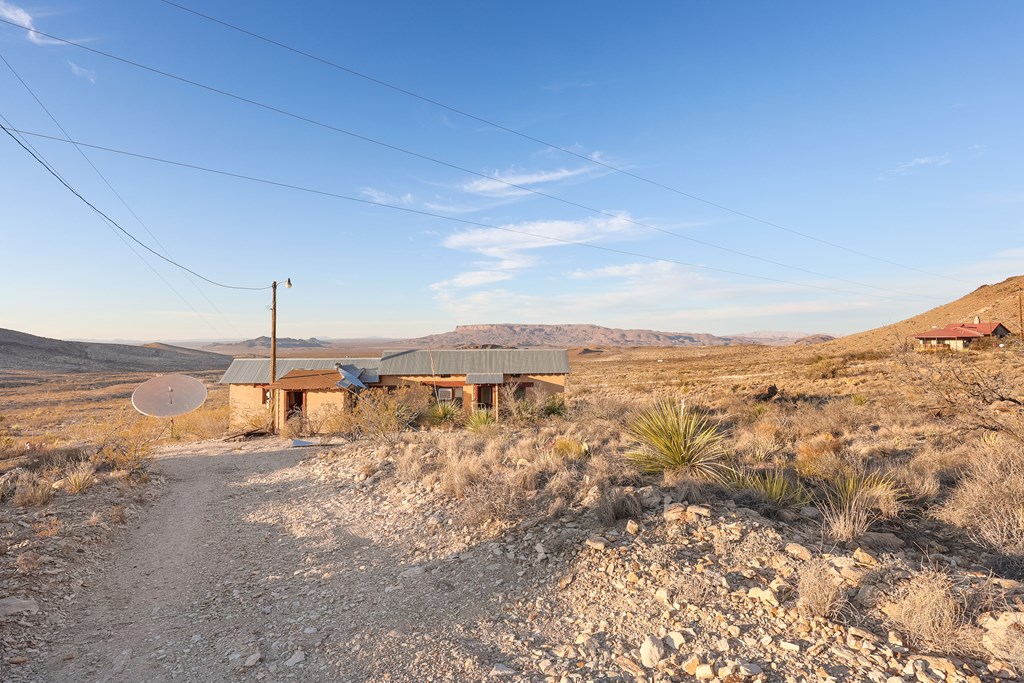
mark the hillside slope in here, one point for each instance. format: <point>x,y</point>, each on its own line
<point>991,303</point>
<point>21,351</point>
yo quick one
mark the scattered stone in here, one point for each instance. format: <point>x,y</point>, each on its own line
<point>502,670</point>
<point>252,660</point>
<point>413,571</point>
<point>798,551</point>
<point>12,605</point>
<point>297,658</point>
<point>597,542</point>
<point>652,651</point>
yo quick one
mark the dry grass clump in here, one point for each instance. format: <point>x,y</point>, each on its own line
<point>80,478</point>
<point>989,501</point>
<point>128,447</point>
<point>673,439</point>
<point>937,613</point>
<point>569,447</point>
<point>854,500</point>
<point>775,487</point>
<point>820,456</point>
<point>208,422</point>
<point>616,504</point>
<point>28,562</point>
<point>820,591</point>
<point>32,490</point>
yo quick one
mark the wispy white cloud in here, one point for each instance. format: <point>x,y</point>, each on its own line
<point>503,181</point>
<point>627,270</point>
<point>908,167</point>
<point>509,250</point>
<point>19,16</point>
<point>382,197</point>
<point>82,72</point>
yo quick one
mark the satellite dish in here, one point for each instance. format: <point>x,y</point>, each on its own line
<point>169,396</point>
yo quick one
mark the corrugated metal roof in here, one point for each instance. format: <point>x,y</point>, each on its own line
<point>257,370</point>
<point>485,378</point>
<point>464,361</point>
<point>308,380</point>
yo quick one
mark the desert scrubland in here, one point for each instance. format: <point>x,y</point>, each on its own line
<point>830,512</point>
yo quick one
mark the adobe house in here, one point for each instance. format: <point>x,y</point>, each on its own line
<point>471,376</point>
<point>960,336</point>
<point>474,376</point>
<point>303,385</point>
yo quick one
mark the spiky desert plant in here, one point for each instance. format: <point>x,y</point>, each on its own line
<point>773,486</point>
<point>443,413</point>
<point>480,420</point>
<point>554,405</point>
<point>673,439</point>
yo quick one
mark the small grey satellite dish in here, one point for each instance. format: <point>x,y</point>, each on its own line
<point>169,396</point>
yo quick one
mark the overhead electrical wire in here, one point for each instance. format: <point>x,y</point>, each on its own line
<point>125,204</point>
<point>44,164</point>
<point>454,219</point>
<point>531,138</point>
<point>462,169</point>
<point>106,222</point>
<point>433,160</point>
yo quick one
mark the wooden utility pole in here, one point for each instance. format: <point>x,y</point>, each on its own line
<point>273,356</point>
<point>1020,318</point>
<point>273,351</point>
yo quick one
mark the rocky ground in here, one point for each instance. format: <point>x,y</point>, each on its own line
<point>258,562</point>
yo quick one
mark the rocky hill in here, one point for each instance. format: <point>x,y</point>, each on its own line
<point>990,303</point>
<point>564,335</point>
<point>27,352</point>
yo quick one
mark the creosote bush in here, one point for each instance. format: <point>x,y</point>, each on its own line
<point>677,440</point>
<point>820,591</point>
<point>936,613</point>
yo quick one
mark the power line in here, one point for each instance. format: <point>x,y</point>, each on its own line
<point>10,132</point>
<point>125,204</point>
<point>531,138</point>
<point>121,237</point>
<point>462,221</point>
<point>462,169</point>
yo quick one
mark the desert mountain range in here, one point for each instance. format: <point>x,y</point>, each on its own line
<point>522,335</point>
<point>26,352</point>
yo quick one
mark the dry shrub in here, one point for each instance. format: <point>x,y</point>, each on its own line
<point>48,528</point>
<point>80,478</point>
<point>129,446</point>
<point>616,504</point>
<point>118,514</point>
<point>693,589</point>
<point>208,422</point>
<point>252,419</point>
<point>937,613</point>
<point>32,491</point>
<point>28,561</point>
<point>459,472</point>
<point>569,447</point>
<point>820,591</point>
<point>819,456</point>
<point>410,464</point>
<point>989,501</point>
<point>95,519</point>
<point>564,484</point>
<point>382,415</point>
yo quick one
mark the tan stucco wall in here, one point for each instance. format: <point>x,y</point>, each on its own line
<point>244,401</point>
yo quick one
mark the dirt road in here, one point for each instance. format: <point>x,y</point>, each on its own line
<point>247,568</point>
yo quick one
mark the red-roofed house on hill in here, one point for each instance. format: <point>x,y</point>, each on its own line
<point>959,336</point>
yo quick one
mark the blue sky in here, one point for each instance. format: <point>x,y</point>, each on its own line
<point>884,139</point>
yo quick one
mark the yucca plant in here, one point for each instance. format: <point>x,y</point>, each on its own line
<point>673,439</point>
<point>773,486</point>
<point>80,478</point>
<point>554,405</point>
<point>480,420</point>
<point>444,413</point>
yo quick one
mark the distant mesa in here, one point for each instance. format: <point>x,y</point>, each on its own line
<point>264,343</point>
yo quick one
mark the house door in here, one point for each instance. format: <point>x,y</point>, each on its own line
<point>485,396</point>
<point>295,402</point>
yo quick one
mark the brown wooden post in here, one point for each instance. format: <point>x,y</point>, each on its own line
<point>273,356</point>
